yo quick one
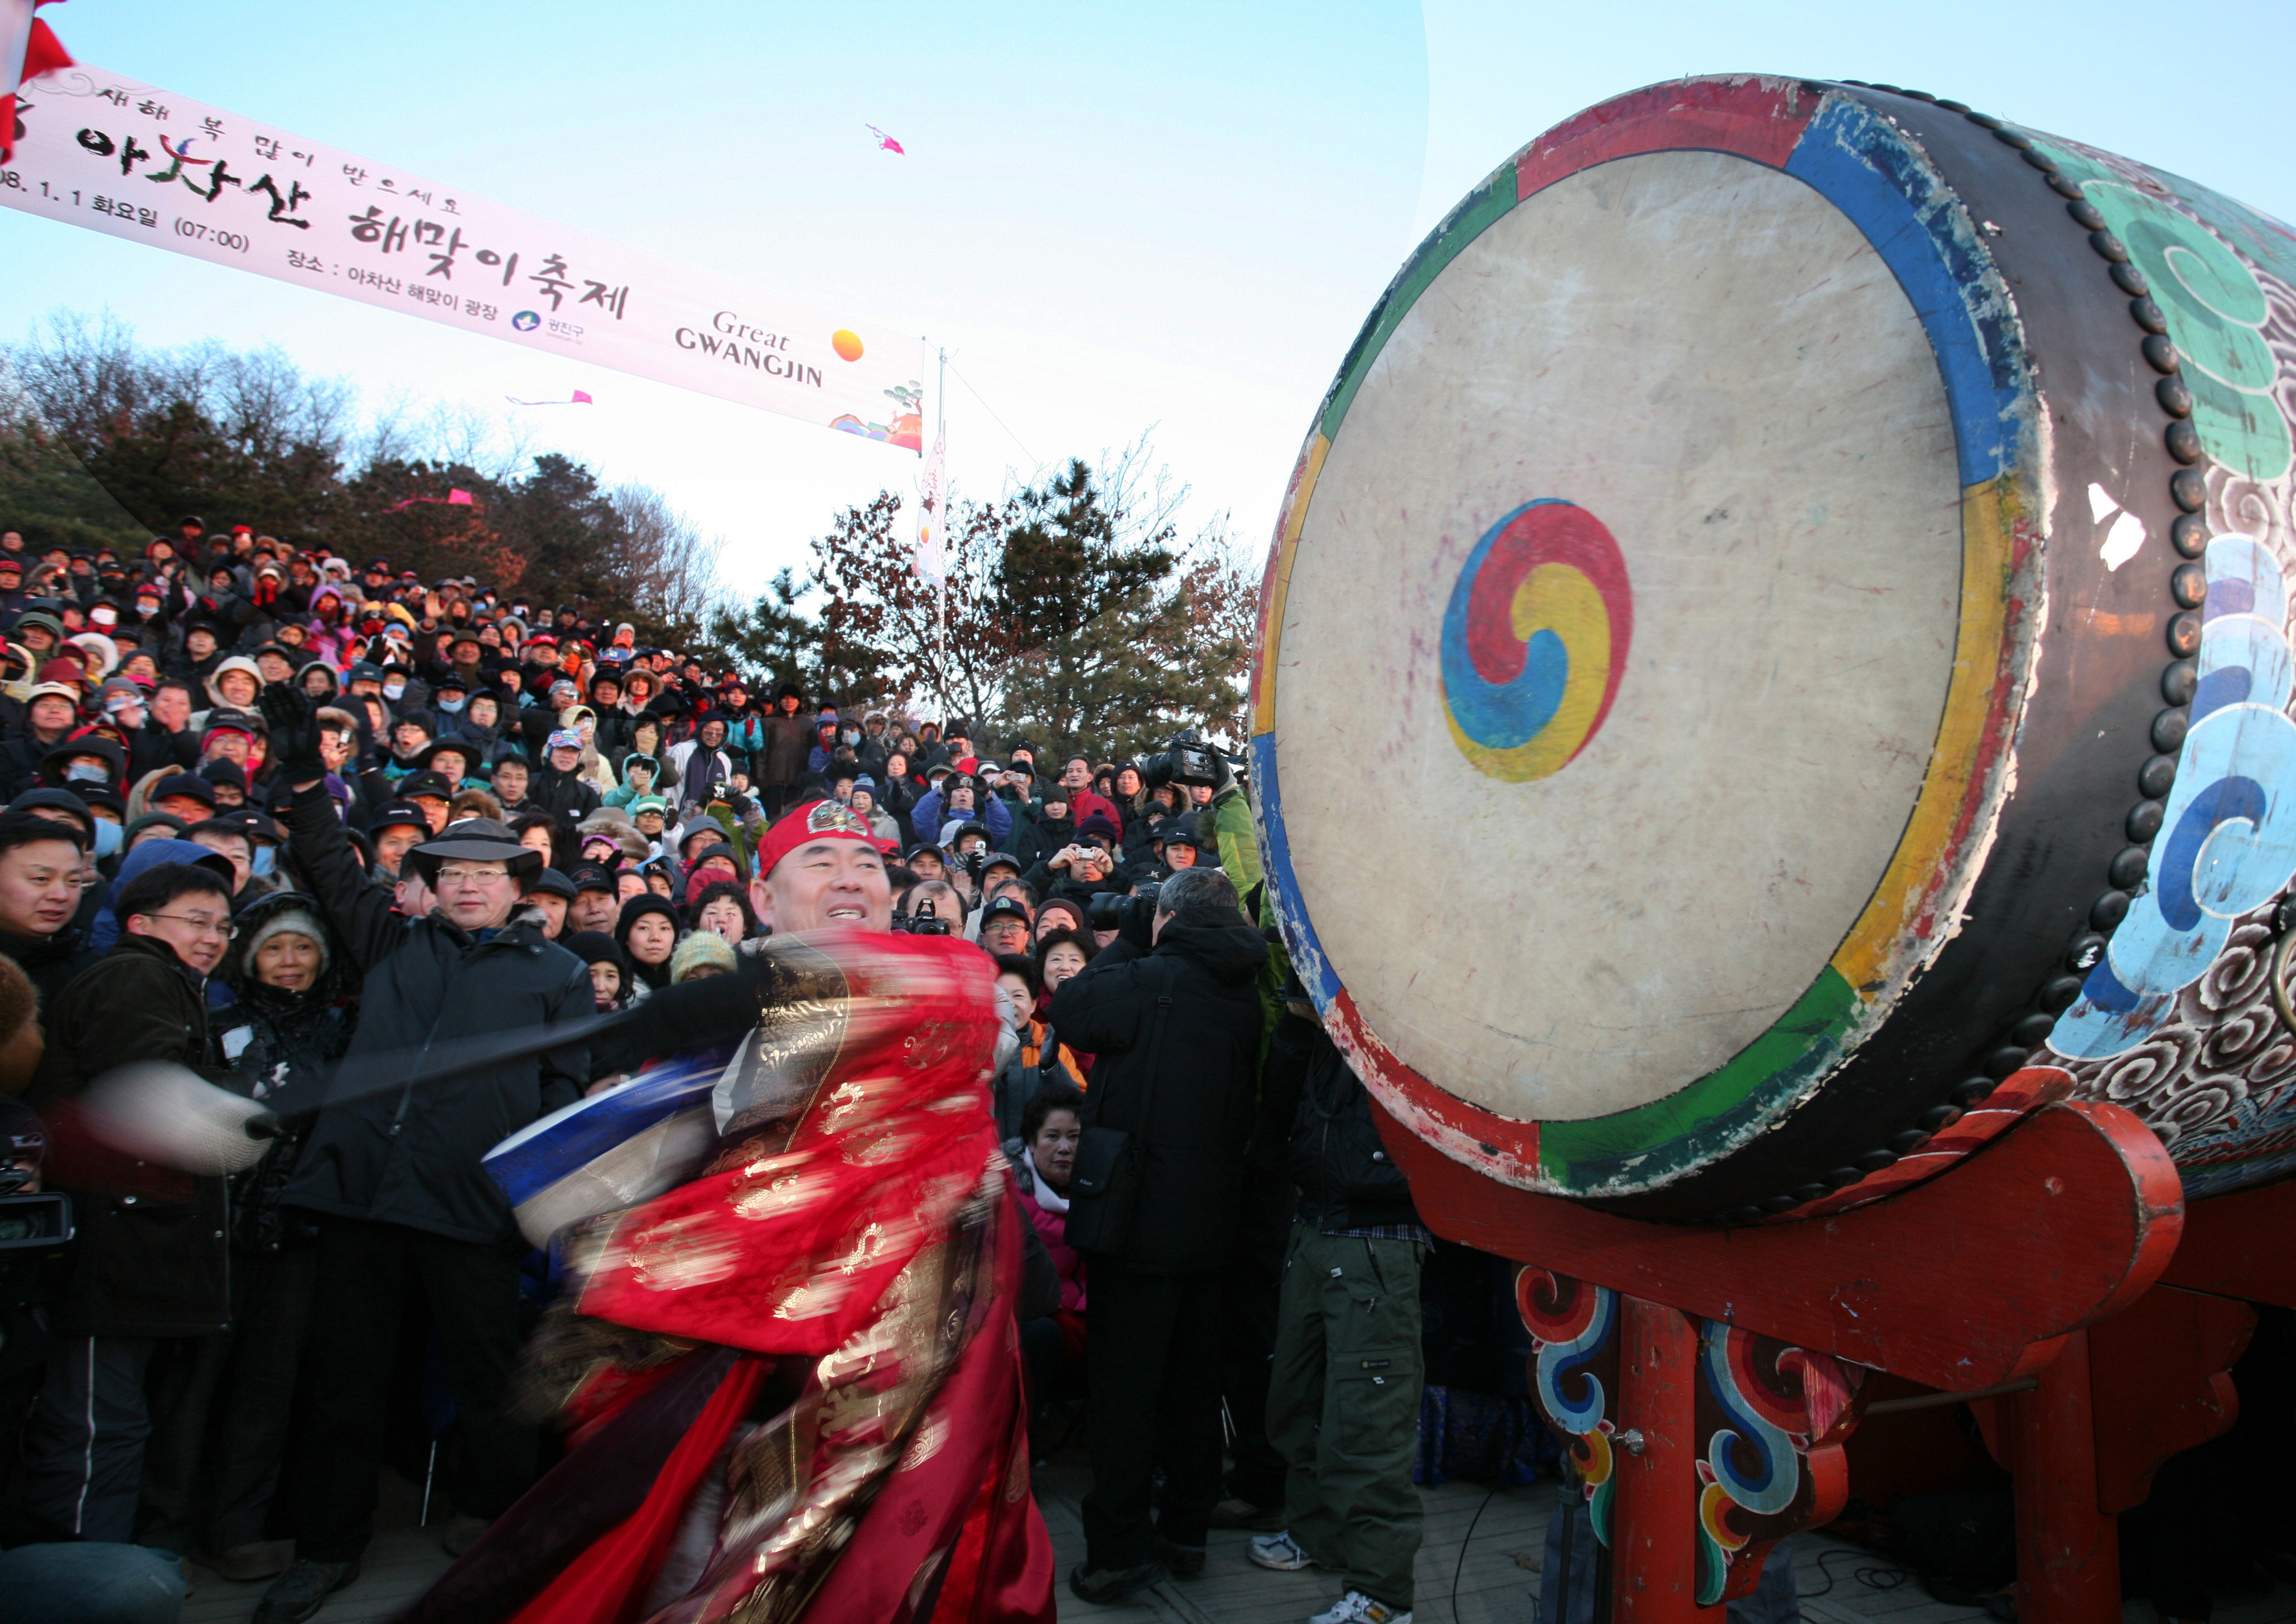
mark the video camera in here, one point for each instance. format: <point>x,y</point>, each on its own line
<point>44,1218</point>
<point>1188,760</point>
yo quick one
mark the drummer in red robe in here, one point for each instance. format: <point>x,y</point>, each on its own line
<point>791,1384</point>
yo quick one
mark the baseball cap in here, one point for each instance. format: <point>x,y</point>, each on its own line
<point>183,783</point>
<point>397,815</point>
<point>590,877</point>
<point>1004,907</point>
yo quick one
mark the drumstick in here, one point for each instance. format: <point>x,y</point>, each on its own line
<point>170,1116</point>
<point>357,1076</point>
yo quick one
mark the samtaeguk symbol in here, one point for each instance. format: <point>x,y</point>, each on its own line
<point>1535,640</point>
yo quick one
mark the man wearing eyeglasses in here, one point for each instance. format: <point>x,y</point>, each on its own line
<point>147,1287</point>
<point>403,1208</point>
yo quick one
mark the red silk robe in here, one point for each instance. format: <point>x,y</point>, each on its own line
<point>793,1382</point>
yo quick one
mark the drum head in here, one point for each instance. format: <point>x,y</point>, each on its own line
<point>1612,646</point>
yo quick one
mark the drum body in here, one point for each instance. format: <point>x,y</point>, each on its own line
<point>1776,658</point>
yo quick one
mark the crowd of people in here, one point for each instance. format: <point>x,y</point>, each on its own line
<point>268,810</point>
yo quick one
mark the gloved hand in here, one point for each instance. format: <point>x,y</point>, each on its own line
<point>294,733</point>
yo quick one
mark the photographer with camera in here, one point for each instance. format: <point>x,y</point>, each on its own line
<point>1171,1010</point>
<point>1042,829</point>
<point>968,859</point>
<point>699,768</point>
<point>1082,870</point>
<point>954,800</point>
<point>929,908</point>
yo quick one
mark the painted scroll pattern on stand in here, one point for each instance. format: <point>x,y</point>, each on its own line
<point>1768,1422</point>
<point>2176,1022</point>
<point>1574,1370</point>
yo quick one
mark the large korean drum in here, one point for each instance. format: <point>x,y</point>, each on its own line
<point>1777,662</point>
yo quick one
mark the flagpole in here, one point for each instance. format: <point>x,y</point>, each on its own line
<point>940,632</point>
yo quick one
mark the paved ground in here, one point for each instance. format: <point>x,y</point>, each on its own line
<point>1503,1531</point>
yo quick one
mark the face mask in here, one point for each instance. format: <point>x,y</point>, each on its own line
<point>265,856</point>
<point>852,737</point>
<point>82,772</point>
<point>453,707</point>
<point>393,688</point>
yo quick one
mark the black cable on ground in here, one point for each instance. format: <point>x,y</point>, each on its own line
<point>1875,1578</point>
<point>1460,1566</point>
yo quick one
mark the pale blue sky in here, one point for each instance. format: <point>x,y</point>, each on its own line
<point>1116,218</point>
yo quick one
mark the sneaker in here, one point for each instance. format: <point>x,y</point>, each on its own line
<point>302,1590</point>
<point>1356,1608</point>
<point>1185,1560</point>
<point>462,1532</point>
<point>1280,1552</point>
<point>1244,1514</point>
<point>1114,1584</point>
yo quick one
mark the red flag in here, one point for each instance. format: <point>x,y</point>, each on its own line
<point>39,52</point>
<point>886,144</point>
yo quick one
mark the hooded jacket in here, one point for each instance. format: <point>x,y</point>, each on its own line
<point>691,769</point>
<point>1175,1033</point>
<point>271,1039</point>
<point>105,930</point>
<point>233,662</point>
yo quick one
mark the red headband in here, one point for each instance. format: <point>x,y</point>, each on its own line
<point>816,820</point>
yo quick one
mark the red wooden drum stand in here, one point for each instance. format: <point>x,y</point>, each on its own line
<point>1884,820</point>
<point>1707,1378</point>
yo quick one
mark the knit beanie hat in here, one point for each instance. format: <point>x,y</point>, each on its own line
<point>595,947</point>
<point>701,950</point>
<point>300,922</point>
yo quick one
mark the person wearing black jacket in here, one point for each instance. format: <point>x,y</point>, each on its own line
<point>1343,1390</point>
<point>1171,1009</point>
<point>402,1203</point>
<point>286,1024</point>
<point>147,1278</point>
<point>557,786</point>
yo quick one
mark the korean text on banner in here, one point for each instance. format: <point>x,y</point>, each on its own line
<point>120,157</point>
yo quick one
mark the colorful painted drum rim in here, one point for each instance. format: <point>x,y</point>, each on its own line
<point>1854,157</point>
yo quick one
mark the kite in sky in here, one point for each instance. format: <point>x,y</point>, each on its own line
<point>886,142</point>
<point>452,498</point>
<point>29,49</point>
<point>581,398</point>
